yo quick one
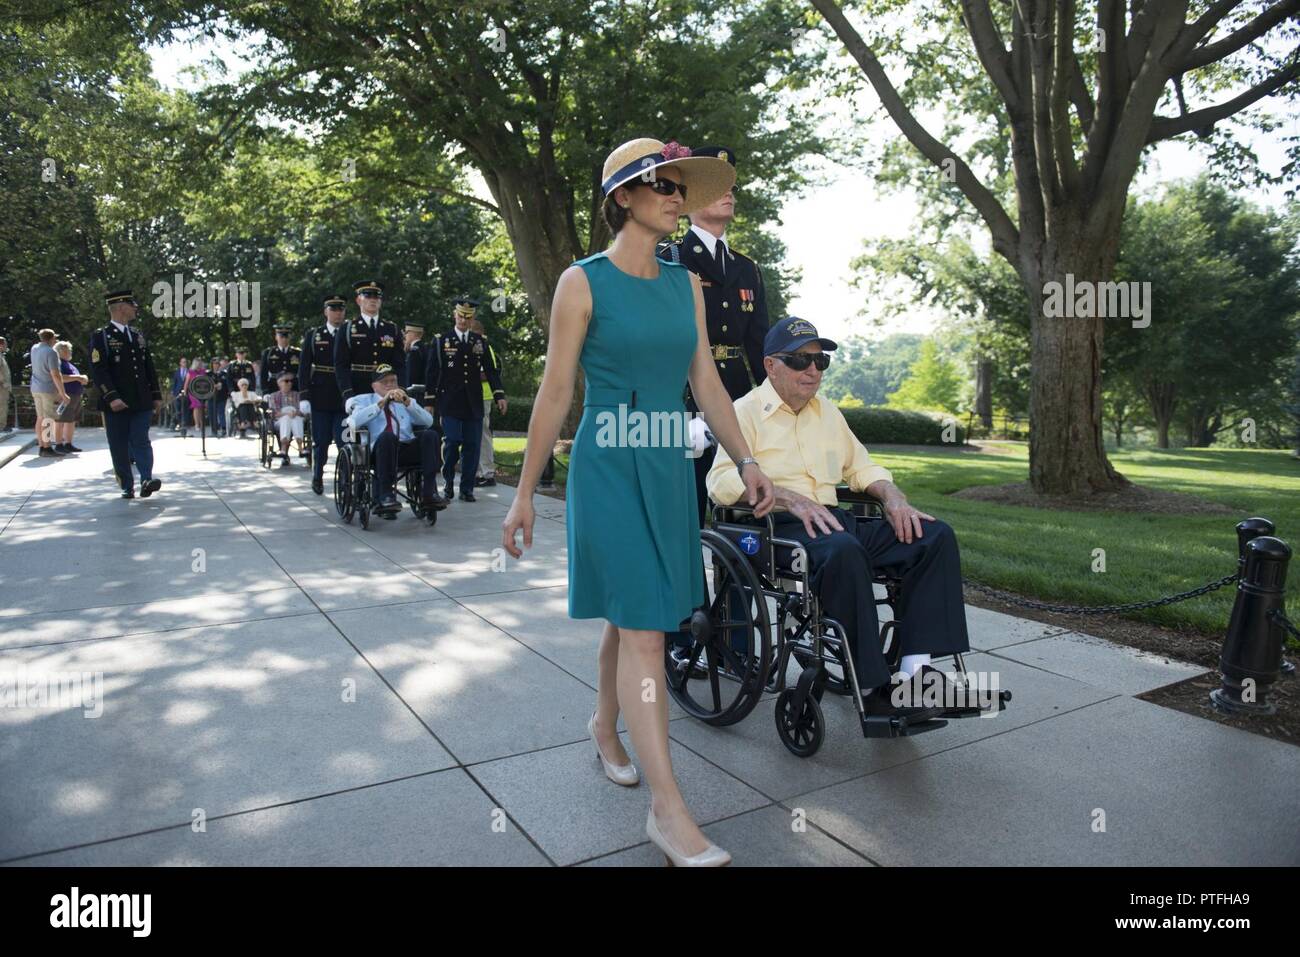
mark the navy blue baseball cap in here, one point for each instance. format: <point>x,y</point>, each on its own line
<point>789,334</point>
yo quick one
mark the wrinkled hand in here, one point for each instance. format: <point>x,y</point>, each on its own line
<point>520,516</point>
<point>905,519</point>
<point>811,513</point>
<point>759,491</point>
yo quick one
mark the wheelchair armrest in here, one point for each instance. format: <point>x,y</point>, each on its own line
<point>863,504</point>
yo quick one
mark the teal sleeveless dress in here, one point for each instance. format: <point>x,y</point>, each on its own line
<point>633,521</point>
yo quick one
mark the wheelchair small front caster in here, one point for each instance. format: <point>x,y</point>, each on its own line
<point>801,733</point>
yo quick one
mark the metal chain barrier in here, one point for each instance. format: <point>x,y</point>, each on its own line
<point>1285,622</point>
<point>1011,599</point>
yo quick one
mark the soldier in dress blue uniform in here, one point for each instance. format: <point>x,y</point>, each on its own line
<point>320,387</point>
<point>454,386</point>
<point>417,361</point>
<point>123,369</point>
<point>735,303</point>
<point>241,368</point>
<point>366,343</point>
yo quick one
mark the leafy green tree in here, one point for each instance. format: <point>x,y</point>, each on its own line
<point>1056,103</point>
<point>933,382</point>
<point>869,371</point>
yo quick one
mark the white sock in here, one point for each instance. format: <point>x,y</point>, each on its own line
<point>911,664</point>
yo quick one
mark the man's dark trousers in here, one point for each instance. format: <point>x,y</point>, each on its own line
<point>463,437</point>
<point>388,454</point>
<point>326,427</point>
<point>128,441</point>
<point>932,614</point>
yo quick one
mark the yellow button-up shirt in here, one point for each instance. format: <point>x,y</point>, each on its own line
<point>810,452</point>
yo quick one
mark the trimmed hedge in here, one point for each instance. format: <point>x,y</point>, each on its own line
<point>876,425</point>
<point>873,425</point>
<point>519,409</point>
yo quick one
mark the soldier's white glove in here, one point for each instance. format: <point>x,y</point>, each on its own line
<point>701,438</point>
<point>305,407</point>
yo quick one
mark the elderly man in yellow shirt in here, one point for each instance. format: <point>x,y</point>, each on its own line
<point>804,445</point>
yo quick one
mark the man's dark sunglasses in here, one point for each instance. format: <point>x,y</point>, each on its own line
<point>798,361</point>
<point>666,187</point>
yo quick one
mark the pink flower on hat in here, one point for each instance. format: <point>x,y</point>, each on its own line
<point>675,150</point>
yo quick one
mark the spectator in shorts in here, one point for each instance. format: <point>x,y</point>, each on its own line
<point>47,391</point>
<point>74,383</point>
<point>285,406</point>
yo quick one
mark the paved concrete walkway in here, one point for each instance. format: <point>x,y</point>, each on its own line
<point>310,693</point>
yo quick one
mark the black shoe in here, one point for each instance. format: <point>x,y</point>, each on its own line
<point>467,497</point>
<point>284,462</point>
<point>149,486</point>
<point>390,516</point>
<point>71,448</point>
<point>49,452</point>
<point>388,505</point>
<point>302,453</point>
<point>450,493</point>
<point>433,503</point>
<point>128,493</point>
<point>487,482</point>
<point>318,485</point>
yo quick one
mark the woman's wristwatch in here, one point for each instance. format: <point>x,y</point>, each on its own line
<point>747,460</point>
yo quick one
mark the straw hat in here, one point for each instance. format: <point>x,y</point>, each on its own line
<point>706,178</point>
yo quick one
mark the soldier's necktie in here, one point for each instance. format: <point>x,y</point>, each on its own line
<point>719,258</point>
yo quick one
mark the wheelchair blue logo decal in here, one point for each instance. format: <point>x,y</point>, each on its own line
<point>749,543</point>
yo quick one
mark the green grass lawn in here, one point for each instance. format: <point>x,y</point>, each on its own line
<point>1048,555</point>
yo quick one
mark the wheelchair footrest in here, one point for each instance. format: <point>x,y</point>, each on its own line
<point>887,726</point>
<point>999,703</point>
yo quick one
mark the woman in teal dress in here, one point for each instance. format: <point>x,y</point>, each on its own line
<point>636,325</point>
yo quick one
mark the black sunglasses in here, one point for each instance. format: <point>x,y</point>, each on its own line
<point>666,187</point>
<point>798,361</point>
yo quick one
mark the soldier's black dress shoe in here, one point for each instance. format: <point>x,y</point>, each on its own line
<point>128,493</point>
<point>318,485</point>
<point>435,502</point>
<point>149,486</point>
<point>487,482</point>
<point>388,505</point>
<point>467,497</point>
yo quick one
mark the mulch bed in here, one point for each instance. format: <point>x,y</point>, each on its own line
<point>1134,498</point>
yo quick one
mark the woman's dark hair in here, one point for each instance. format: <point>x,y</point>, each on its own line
<point>615,216</point>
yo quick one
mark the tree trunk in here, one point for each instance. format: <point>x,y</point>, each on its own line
<point>1067,454</point>
<point>984,392</point>
<point>543,246</point>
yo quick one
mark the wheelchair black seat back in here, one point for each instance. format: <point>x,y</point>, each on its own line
<point>760,614</point>
<point>354,481</point>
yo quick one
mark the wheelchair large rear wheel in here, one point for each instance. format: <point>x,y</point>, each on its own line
<point>343,503</point>
<point>720,678</point>
<point>265,435</point>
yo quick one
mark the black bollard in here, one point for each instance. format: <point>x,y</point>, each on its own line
<point>1252,649</point>
<point>1253,528</point>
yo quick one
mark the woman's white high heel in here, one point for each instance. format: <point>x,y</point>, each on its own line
<point>624,774</point>
<point>711,856</point>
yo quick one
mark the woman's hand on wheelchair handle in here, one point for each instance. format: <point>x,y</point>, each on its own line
<point>520,516</point>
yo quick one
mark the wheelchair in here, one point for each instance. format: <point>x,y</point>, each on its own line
<point>761,613</point>
<point>268,436</point>
<point>354,481</point>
